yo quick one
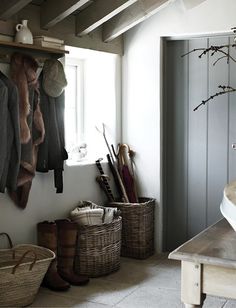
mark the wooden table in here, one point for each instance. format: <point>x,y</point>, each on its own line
<point>208,264</point>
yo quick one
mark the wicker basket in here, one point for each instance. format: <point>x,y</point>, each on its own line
<point>22,269</point>
<point>137,228</point>
<point>99,249</point>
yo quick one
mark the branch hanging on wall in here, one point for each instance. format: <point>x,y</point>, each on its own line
<point>225,89</point>
<point>224,51</point>
<point>214,50</point>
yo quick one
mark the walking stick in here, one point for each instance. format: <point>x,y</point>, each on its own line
<point>104,180</point>
<point>125,197</point>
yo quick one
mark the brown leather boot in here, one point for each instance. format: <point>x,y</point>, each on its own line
<point>47,237</point>
<point>66,249</point>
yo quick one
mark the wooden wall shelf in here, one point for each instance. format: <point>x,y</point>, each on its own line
<point>34,48</point>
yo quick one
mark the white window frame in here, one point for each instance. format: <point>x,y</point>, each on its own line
<point>79,105</point>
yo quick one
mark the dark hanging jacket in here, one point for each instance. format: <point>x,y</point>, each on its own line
<point>3,129</point>
<point>52,153</point>
<point>12,128</point>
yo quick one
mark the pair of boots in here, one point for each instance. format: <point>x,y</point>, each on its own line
<point>60,237</point>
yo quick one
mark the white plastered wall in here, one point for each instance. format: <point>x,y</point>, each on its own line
<point>142,84</point>
<point>79,183</point>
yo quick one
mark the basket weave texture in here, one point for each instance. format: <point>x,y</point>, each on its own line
<point>20,278</point>
<point>98,251</point>
<point>137,228</point>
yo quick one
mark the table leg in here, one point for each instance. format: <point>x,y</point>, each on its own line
<point>191,284</point>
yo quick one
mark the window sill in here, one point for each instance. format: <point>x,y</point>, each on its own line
<point>71,163</point>
<point>82,162</point>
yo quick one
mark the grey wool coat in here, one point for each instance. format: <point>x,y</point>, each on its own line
<point>52,153</point>
<point>9,125</point>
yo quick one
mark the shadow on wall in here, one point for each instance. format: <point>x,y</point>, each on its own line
<point>45,204</point>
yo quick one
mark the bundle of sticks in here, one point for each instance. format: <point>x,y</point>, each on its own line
<point>121,164</point>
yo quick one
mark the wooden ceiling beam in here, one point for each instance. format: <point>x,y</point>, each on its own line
<point>10,7</point>
<point>98,13</point>
<point>132,16</point>
<point>53,11</point>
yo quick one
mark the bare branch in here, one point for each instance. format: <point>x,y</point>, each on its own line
<point>214,50</point>
<point>227,55</point>
<point>225,89</point>
<point>220,59</point>
<point>196,49</point>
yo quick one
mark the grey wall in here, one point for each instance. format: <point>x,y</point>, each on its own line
<point>199,159</point>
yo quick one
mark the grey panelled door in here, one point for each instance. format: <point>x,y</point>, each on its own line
<point>198,159</point>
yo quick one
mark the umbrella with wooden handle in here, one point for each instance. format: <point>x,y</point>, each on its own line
<point>131,161</point>
<point>126,172</point>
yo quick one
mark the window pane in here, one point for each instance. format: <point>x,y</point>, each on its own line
<point>70,108</point>
<point>91,100</point>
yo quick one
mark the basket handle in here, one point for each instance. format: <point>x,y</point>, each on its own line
<point>10,243</point>
<point>22,258</point>
<point>8,237</point>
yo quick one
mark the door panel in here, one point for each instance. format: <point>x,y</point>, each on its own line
<point>197,140</point>
<point>232,118</point>
<point>176,141</point>
<point>217,135</point>
<point>198,158</point>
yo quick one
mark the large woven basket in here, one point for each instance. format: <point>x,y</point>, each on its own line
<point>137,228</point>
<point>99,248</point>
<point>22,269</point>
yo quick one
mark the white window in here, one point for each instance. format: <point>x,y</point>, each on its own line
<point>92,97</point>
<point>74,109</point>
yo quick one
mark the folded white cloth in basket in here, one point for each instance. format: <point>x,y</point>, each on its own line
<point>109,214</point>
<point>87,216</point>
<point>89,213</point>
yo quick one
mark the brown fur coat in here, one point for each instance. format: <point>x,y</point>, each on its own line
<point>23,73</point>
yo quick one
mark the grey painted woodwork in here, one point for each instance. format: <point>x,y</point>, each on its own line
<point>217,135</point>
<point>52,12</point>
<point>232,112</point>
<point>198,158</point>
<point>7,28</point>
<point>132,16</point>
<point>176,141</point>
<point>197,140</point>
<point>106,19</point>
<point>10,7</point>
<point>65,30</point>
<point>98,13</point>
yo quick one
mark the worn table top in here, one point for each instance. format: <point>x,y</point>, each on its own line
<point>215,245</point>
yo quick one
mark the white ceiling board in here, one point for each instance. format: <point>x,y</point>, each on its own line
<point>189,4</point>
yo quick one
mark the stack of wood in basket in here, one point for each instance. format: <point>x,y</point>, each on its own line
<point>121,164</point>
